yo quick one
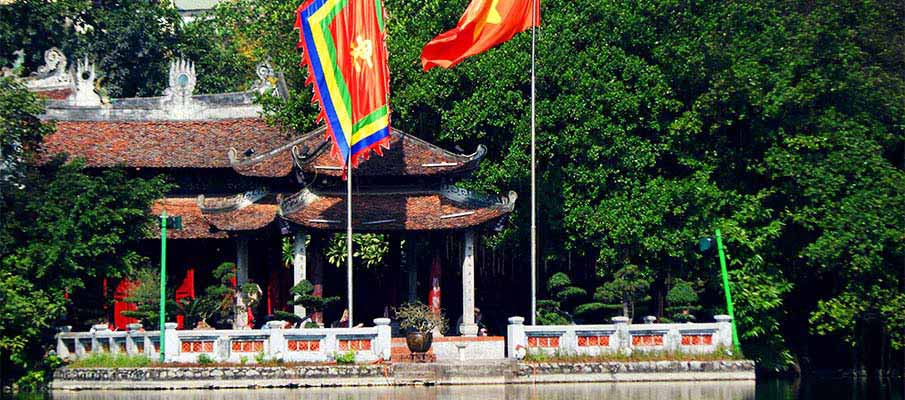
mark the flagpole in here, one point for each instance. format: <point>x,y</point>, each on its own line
<point>533,177</point>
<point>349,231</point>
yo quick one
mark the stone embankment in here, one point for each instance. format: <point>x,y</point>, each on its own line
<point>394,374</point>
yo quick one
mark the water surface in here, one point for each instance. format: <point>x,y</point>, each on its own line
<point>763,390</point>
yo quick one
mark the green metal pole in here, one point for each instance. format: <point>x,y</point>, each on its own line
<point>163,281</point>
<point>725,273</point>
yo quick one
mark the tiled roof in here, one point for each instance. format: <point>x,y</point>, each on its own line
<point>198,225</point>
<point>161,144</point>
<point>407,156</point>
<point>387,210</point>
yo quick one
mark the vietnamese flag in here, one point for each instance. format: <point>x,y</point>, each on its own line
<point>486,23</point>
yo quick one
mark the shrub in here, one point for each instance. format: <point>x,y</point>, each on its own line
<point>205,359</point>
<point>345,358</point>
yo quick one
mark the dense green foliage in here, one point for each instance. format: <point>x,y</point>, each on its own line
<point>781,123</point>
<point>368,249</point>
<point>659,121</point>
<point>131,41</point>
<point>62,226</point>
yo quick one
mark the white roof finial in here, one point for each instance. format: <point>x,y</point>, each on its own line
<point>83,76</point>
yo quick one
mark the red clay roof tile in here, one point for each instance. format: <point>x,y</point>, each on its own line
<point>407,156</point>
<point>393,211</point>
<point>198,225</point>
<point>161,144</point>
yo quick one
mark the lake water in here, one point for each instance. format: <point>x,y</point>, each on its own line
<point>765,390</point>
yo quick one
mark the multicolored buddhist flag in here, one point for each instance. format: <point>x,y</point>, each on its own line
<point>344,46</point>
<point>486,23</point>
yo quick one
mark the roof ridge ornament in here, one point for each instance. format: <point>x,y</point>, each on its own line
<point>83,75</point>
<point>477,200</point>
<point>177,98</point>
<point>53,74</point>
<point>291,204</point>
<point>232,203</point>
<point>269,81</point>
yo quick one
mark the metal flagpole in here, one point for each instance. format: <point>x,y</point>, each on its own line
<point>349,231</point>
<point>163,284</point>
<point>533,177</point>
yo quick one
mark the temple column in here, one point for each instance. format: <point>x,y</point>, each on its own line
<point>468,327</point>
<point>241,319</point>
<point>411,268</point>
<point>299,266</point>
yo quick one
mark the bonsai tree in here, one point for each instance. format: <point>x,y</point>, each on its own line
<point>145,294</point>
<point>199,309</point>
<point>682,300</point>
<point>628,288</point>
<point>418,317</point>
<point>563,294</point>
<point>223,294</point>
<point>302,295</point>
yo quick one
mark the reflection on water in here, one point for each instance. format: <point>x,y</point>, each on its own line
<point>821,389</point>
<point>764,390</point>
<point>622,391</point>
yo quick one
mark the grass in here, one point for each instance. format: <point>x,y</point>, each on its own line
<point>118,360</point>
<point>721,353</point>
<point>112,360</point>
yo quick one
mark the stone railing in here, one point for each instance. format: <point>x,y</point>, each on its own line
<point>620,337</point>
<point>269,343</point>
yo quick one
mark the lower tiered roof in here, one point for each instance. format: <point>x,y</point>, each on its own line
<point>374,210</point>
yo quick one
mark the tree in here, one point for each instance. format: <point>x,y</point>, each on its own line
<point>144,293</point>
<point>780,123</point>
<point>63,226</point>
<point>368,248</point>
<point>627,288</point>
<point>21,129</point>
<point>682,299</point>
<point>777,122</point>
<point>553,311</point>
<point>131,41</point>
<point>568,303</point>
<point>303,295</point>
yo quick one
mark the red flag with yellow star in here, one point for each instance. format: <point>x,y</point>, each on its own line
<point>344,48</point>
<point>486,23</point>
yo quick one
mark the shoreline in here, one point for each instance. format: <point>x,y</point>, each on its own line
<point>398,374</point>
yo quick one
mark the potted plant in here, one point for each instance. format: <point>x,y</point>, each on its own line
<point>421,322</point>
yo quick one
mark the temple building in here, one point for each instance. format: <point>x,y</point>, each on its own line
<point>244,188</point>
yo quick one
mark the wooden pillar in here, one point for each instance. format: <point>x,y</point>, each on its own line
<point>468,327</point>
<point>299,266</point>
<point>241,318</point>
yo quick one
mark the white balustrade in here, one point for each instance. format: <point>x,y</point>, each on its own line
<point>618,337</point>
<point>271,343</point>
